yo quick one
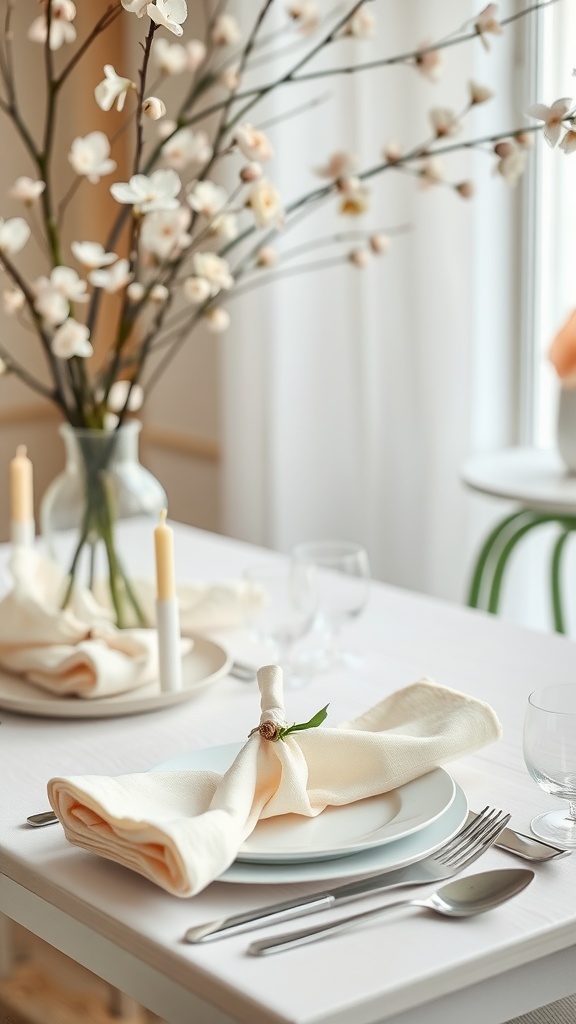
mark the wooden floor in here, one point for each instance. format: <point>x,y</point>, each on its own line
<point>46,987</point>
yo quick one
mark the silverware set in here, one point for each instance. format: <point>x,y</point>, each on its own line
<point>470,895</point>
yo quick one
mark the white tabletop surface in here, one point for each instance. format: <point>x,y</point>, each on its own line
<point>535,477</point>
<point>412,969</point>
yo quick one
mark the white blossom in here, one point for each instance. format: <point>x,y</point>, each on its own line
<point>266,204</point>
<point>153,107</point>
<point>168,127</point>
<point>65,280</point>
<point>214,268</point>
<point>306,14</point>
<point>137,7</point>
<point>431,172</point>
<point>135,291</point>
<point>27,190</point>
<point>170,58</point>
<point>4,368</point>
<point>224,226</point>
<point>217,319</point>
<point>92,254</point>
<point>392,152</point>
<point>49,303</point>
<point>122,390</point>
<point>62,30</point>
<point>337,165</point>
<point>187,147</point>
<point>159,293</point>
<point>196,290</point>
<point>511,163</point>
<point>170,14</point>
<point>13,300</point>
<point>71,339</point>
<point>429,62</point>
<point>146,194</point>
<point>164,232</point>
<point>479,94</point>
<point>379,243</point>
<point>487,24</point>
<point>226,31</point>
<point>568,144</point>
<point>362,24</point>
<point>90,156</point>
<point>230,77</point>
<point>112,89</point>
<point>196,54</point>
<point>359,258</point>
<point>444,122</point>
<point>355,201</point>
<point>552,117</point>
<point>267,256</point>
<point>207,198</point>
<point>14,233</point>
<point>253,143</point>
<point>113,279</point>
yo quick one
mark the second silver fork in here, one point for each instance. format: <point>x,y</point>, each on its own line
<point>469,843</point>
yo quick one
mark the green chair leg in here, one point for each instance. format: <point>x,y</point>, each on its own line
<point>482,562</point>
<point>502,561</point>
<point>557,610</point>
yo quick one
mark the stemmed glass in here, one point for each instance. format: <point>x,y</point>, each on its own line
<point>550,756</point>
<point>342,573</point>
<point>284,613</point>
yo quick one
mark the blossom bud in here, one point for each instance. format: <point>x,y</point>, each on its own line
<point>266,256</point>
<point>251,172</point>
<point>503,149</point>
<point>379,244</point>
<point>392,152</point>
<point>135,291</point>
<point>479,94</point>
<point>154,108</point>
<point>12,300</point>
<point>358,258</point>
<point>465,189</point>
<point>525,139</point>
<point>159,293</point>
<point>217,319</point>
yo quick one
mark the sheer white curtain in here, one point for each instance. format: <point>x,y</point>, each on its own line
<point>351,397</point>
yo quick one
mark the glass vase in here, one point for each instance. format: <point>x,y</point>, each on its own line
<point>103,482</point>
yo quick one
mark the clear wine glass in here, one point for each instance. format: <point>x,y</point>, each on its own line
<point>283,615</point>
<point>342,573</point>
<point>550,756</point>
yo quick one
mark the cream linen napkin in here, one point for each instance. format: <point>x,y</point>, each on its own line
<point>72,651</point>
<point>182,829</point>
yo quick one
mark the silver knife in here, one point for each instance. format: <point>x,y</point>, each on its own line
<point>514,842</point>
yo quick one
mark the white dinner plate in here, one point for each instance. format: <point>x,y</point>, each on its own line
<point>201,667</point>
<point>337,831</point>
<point>380,858</point>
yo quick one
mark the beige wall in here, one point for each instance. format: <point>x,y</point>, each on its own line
<point>180,438</point>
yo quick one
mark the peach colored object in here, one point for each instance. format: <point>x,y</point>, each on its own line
<point>164,548</point>
<point>562,352</point>
<point>21,503</point>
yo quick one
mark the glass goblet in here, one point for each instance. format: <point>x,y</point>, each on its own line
<point>284,613</point>
<point>550,756</point>
<point>342,574</point>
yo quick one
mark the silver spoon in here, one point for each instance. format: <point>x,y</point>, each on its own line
<point>463,898</point>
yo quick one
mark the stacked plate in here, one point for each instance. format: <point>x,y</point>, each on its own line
<point>377,834</point>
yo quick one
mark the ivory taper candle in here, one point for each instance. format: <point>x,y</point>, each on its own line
<point>22,528</point>
<point>167,617</point>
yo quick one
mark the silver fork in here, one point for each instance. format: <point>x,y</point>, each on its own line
<point>463,849</point>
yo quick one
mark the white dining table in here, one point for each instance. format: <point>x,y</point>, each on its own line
<point>411,968</point>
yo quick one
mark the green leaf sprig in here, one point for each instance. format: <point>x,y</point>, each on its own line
<point>313,723</point>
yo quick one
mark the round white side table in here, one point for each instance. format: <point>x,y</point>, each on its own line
<point>546,492</point>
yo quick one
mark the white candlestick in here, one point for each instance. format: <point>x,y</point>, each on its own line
<point>22,526</point>
<point>167,616</point>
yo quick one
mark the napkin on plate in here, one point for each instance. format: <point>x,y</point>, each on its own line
<point>72,651</point>
<point>182,829</point>
<point>204,605</point>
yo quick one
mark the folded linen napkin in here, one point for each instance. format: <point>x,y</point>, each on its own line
<point>72,651</point>
<point>182,829</point>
